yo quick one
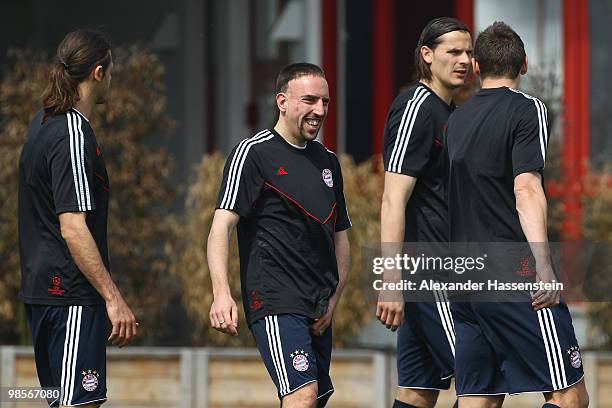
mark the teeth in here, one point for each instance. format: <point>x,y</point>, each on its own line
<point>312,122</point>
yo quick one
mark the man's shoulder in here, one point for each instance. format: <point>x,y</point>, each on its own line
<point>413,92</point>
<point>416,98</point>
<point>527,102</point>
<point>321,148</point>
<point>253,145</point>
<point>64,124</point>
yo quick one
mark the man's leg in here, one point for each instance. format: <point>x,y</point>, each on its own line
<point>479,381</point>
<point>305,397</point>
<point>493,401</point>
<point>425,345</point>
<point>575,396</point>
<point>409,398</point>
<point>539,350</point>
<point>81,367</point>
<point>70,349</point>
<point>285,345</point>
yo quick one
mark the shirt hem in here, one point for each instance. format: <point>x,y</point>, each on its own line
<point>61,302</point>
<point>260,315</point>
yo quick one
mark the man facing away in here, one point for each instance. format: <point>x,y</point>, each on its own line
<point>284,192</point>
<point>497,149</point>
<point>414,207</point>
<point>63,208</point>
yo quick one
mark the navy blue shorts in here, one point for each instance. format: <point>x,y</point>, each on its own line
<point>70,351</point>
<point>509,348</point>
<point>294,357</point>
<point>426,346</point>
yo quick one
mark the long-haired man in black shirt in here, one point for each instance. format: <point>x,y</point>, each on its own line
<point>63,211</point>
<point>414,207</point>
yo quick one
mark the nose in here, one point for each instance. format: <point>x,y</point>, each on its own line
<point>319,108</point>
<point>465,59</point>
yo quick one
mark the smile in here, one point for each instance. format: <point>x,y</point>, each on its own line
<point>313,122</point>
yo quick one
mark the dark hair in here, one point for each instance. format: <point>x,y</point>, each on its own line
<point>500,52</point>
<point>294,71</point>
<point>430,37</point>
<point>77,55</point>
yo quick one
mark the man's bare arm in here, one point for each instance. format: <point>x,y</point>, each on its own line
<point>532,210</point>
<point>223,312</point>
<point>397,191</point>
<point>87,257</point>
<point>343,259</point>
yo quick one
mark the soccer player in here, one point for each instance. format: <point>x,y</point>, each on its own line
<point>63,208</point>
<point>414,206</point>
<point>283,189</point>
<point>497,149</point>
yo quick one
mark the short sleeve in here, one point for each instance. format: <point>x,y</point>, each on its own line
<point>242,181</point>
<point>343,221</point>
<point>530,138</point>
<point>409,135</point>
<point>71,159</point>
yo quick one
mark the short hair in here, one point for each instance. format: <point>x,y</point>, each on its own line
<point>77,55</point>
<point>294,71</point>
<point>499,51</point>
<point>430,37</point>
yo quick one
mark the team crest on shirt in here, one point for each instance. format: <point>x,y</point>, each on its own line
<point>300,360</point>
<point>90,380</point>
<point>575,357</point>
<point>55,288</point>
<point>327,177</point>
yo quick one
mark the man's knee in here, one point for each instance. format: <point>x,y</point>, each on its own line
<point>573,400</point>
<point>305,397</point>
<point>481,402</point>
<point>419,398</point>
<point>575,396</point>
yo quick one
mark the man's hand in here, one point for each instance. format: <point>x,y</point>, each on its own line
<point>545,298</point>
<point>322,323</point>
<point>224,315</point>
<point>123,321</point>
<point>390,312</point>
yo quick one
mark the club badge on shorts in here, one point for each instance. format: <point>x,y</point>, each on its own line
<point>90,380</point>
<point>327,177</point>
<point>300,360</point>
<point>575,357</point>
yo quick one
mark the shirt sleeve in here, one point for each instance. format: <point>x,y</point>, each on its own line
<point>530,138</point>
<point>242,181</point>
<point>409,134</point>
<point>343,221</point>
<point>71,160</point>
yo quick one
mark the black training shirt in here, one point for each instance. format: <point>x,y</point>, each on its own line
<point>291,203</point>
<point>495,136</point>
<point>61,169</point>
<point>413,146</point>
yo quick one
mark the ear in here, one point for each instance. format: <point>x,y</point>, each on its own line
<point>281,102</point>
<point>475,67</point>
<point>427,54</point>
<point>525,66</point>
<point>98,73</point>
